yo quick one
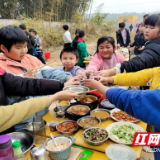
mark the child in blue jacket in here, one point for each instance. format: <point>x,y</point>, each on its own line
<point>143,105</point>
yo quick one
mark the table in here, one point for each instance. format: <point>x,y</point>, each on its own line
<point>86,62</point>
<point>98,153</point>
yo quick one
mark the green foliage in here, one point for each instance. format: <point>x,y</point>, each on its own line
<point>98,17</point>
<point>110,25</point>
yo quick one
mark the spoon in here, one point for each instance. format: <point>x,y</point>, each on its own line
<point>54,141</point>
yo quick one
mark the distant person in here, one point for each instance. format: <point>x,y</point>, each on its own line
<point>144,18</point>
<point>131,27</point>
<point>123,36</point>
<point>31,41</point>
<point>79,44</point>
<point>38,46</point>
<point>139,40</point>
<point>67,36</point>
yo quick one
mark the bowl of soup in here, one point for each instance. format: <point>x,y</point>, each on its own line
<point>102,114</point>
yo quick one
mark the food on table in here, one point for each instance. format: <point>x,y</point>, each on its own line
<point>100,114</point>
<point>54,147</point>
<point>88,99</point>
<point>79,110</point>
<point>95,135</point>
<point>67,126</point>
<point>123,133</point>
<point>88,122</point>
<point>123,116</point>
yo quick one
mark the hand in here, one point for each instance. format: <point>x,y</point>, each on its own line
<point>72,81</point>
<point>122,46</point>
<point>108,73</point>
<point>91,84</point>
<point>89,71</point>
<point>31,73</point>
<point>64,95</point>
<point>106,80</point>
<point>128,47</point>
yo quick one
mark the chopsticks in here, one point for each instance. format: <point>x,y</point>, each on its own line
<point>45,64</point>
<point>87,91</point>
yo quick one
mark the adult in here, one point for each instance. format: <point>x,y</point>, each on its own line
<point>79,44</point>
<point>67,36</point>
<point>131,27</point>
<point>123,36</point>
<point>31,42</point>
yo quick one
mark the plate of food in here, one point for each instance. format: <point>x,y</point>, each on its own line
<point>88,121</point>
<point>95,135</point>
<point>120,116</point>
<point>123,132</point>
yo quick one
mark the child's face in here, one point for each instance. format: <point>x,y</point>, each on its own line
<point>151,32</point>
<point>69,60</point>
<point>106,50</point>
<point>17,51</point>
<point>34,36</point>
<point>121,29</point>
<point>141,28</point>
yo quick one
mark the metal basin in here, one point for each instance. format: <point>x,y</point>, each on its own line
<point>26,139</point>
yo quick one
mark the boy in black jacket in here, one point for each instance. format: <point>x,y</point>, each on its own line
<point>123,36</point>
<point>139,40</point>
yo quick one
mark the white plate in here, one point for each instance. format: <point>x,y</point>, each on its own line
<point>122,123</point>
<point>116,110</point>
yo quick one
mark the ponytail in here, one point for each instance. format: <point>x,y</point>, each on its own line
<point>80,34</point>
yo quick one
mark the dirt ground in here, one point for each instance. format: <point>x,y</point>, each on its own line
<point>91,47</point>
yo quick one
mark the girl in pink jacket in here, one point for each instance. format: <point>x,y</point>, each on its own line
<point>105,56</point>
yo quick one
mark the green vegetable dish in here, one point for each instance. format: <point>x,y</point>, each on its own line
<point>123,133</point>
<point>95,135</point>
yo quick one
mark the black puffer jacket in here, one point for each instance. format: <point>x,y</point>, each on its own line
<point>149,58</point>
<point>12,85</point>
<point>139,41</point>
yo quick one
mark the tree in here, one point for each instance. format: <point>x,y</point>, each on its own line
<point>99,17</point>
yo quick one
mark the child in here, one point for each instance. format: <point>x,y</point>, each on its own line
<point>67,36</point>
<point>105,57</point>
<point>139,40</point>
<point>79,44</point>
<point>38,46</point>
<point>23,86</point>
<point>142,105</point>
<point>69,57</point>
<point>150,57</point>
<point>123,36</point>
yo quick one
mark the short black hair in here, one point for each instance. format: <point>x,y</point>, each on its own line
<point>146,15</point>
<point>153,20</point>
<point>10,35</point>
<point>65,27</point>
<point>22,26</point>
<point>31,29</point>
<point>34,32</point>
<point>121,25</point>
<point>69,50</point>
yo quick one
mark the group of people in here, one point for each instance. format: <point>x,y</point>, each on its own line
<point>19,79</point>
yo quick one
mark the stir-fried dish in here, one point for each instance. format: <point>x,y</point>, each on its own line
<point>88,122</point>
<point>67,126</point>
<point>88,99</point>
<point>95,135</point>
<point>123,133</point>
<point>123,116</point>
<point>79,110</point>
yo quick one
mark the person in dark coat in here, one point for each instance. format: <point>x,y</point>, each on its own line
<point>131,27</point>
<point>31,42</point>
<point>139,40</point>
<point>123,36</point>
<point>12,85</point>
<point>150,57</point>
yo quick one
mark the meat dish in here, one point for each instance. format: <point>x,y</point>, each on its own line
<point>78,110</point>
<point>67,126</point>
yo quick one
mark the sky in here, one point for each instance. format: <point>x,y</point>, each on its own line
<point>120,6</point>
